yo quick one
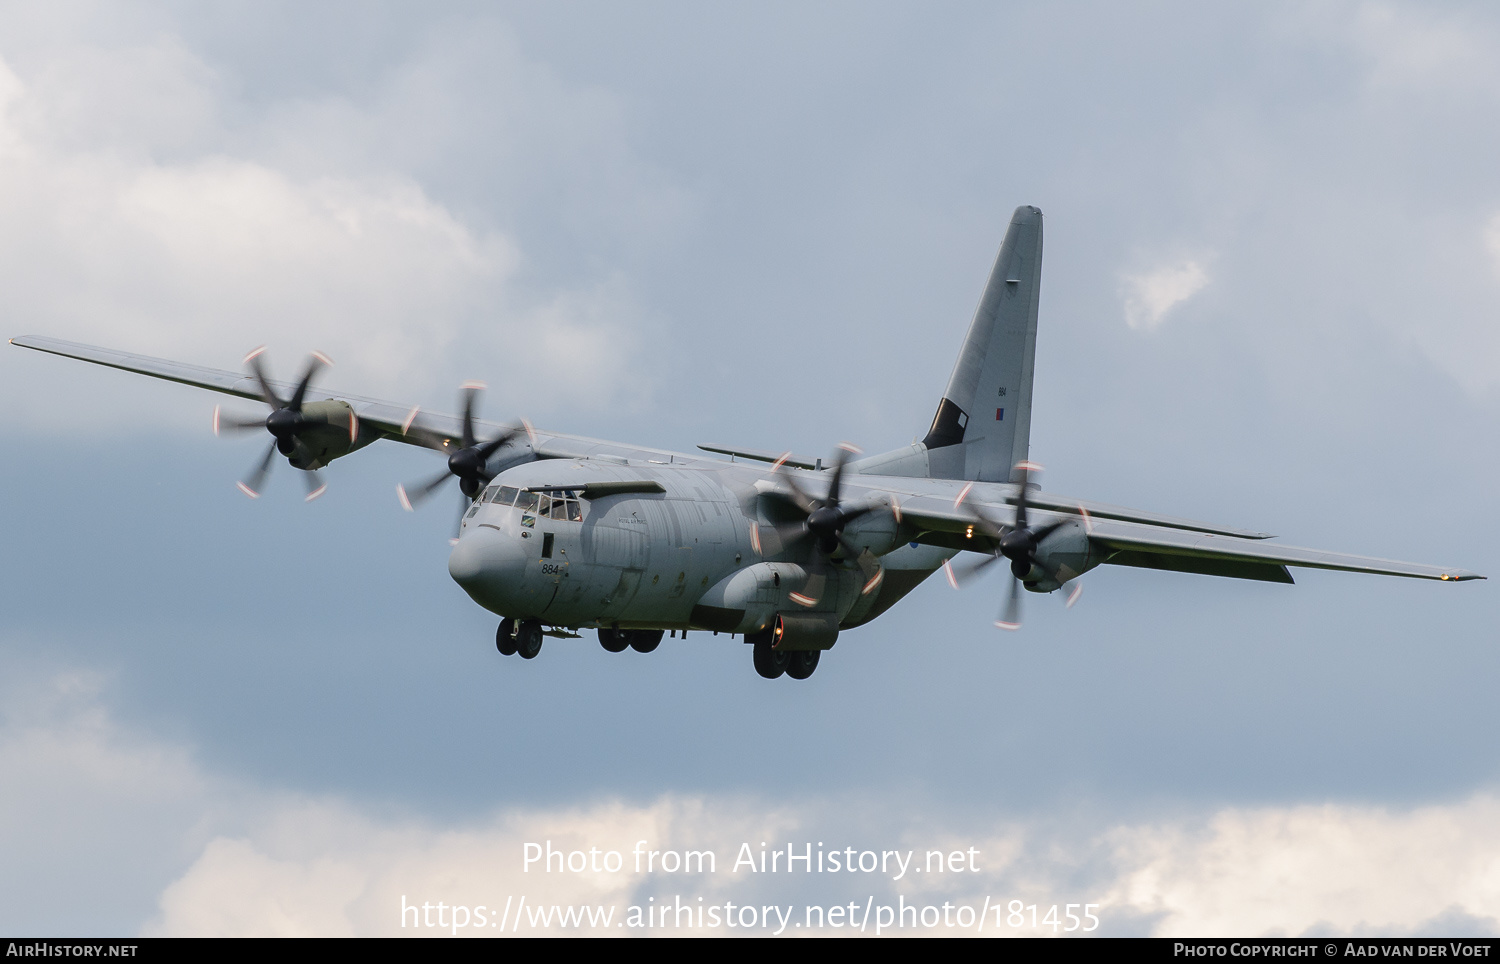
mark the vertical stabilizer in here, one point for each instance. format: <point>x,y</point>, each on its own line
<point>983,424</point>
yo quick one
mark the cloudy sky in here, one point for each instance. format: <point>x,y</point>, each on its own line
<point>1270,299</point>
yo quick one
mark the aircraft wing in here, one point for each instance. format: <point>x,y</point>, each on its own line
<point>386,416</point>
<point>390,419</point>
<point>1151,548</point>
<point>1140,539</point>
<point>936,503</point>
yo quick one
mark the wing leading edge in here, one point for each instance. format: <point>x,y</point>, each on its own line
<point>388,419</point>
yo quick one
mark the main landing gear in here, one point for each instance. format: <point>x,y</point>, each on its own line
<point>771,663</point>
<point>524,637</point>
<point>640,640</point>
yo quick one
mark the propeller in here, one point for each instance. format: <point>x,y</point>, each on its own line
<point>1017,543</point>
<point>285,423</point>
<point>822,528</point>
<point>468,463</point>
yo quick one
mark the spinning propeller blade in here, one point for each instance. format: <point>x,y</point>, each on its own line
<point>822,527</point>
<point>469,463</point>
<point>1016,542</point>
<point>286,423</point>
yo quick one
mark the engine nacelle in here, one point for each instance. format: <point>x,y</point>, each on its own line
<point>334,432</point>
<point>875,530</point>
<point>1066,551</point>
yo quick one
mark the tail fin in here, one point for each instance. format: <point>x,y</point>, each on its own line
<point>983,424</point>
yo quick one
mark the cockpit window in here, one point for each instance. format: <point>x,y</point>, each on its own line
<point>526,500</point>
<point>503,495</point>
<point>561,507</point>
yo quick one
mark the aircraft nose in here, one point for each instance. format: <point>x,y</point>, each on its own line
<point>487,564</point>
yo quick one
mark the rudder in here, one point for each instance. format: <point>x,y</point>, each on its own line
<point>983,423</point>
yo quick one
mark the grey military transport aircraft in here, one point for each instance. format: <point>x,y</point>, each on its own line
<point>560,533</point>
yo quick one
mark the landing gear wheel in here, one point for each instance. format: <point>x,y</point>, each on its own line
<point>770,663</point>
<point>505,637</point>
<point>803,663</point>
<point>645,640</point>
<point>614,640</point>
<point>529,639</point>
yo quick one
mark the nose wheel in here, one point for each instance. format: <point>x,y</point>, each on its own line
<point>523,638</point>
<point>505,637</point>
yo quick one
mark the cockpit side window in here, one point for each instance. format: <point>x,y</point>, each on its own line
<point>565,508</point>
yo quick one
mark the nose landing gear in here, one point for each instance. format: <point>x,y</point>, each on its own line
<point>505,637</point>
<point>524,638</point>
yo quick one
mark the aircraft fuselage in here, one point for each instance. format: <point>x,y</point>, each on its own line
<point>699,554</point>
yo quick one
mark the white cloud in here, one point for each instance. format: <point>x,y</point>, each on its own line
<point>125,221</point>
<point>1425,47</point>
<point>217,856</point>
<point>1324,869</point>
<point>1274,871</point>
<point>1492,240</point>
<point>327,869</point>
<point>1148,296</point>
